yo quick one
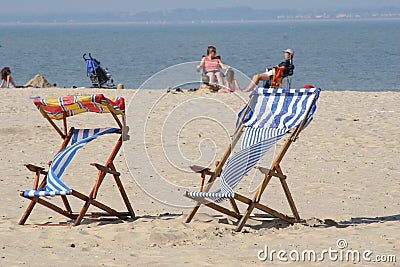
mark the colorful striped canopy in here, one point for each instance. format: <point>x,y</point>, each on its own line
<point>55,108</point>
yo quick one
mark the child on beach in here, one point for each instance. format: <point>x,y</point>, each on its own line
<point>231,82</point>
<point>6,78</point>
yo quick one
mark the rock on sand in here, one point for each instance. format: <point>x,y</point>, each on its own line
<point>38,81</point>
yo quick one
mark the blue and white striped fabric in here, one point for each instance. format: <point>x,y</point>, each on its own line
<point>273,113</point>
<point>238,165</point>
<point>279,108</point>
<point>54,185</point>
<point>80,134</point>
<point>256,135</point>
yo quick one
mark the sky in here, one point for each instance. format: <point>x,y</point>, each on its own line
<point>39,7</point>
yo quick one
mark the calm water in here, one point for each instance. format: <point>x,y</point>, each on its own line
<point>350,55</point>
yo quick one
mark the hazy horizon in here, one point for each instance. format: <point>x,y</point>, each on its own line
<point>43,7</point>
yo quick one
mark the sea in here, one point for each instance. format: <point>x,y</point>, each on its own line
<point>333,55</point>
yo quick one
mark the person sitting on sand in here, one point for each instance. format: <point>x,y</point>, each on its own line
<point>270,71</point>
<point>231,82</point>
<point>211,64</point>
<point>6,78</point>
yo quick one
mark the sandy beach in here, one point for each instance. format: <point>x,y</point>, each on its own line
<point>343,173</point>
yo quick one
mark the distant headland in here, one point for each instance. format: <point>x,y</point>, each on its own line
<point>204,16</point>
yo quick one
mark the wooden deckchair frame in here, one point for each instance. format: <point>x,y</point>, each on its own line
<point>103,170</point>
<point>274,171</point>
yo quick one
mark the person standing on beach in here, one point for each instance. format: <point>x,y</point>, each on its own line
<point>270,71</point>
<point>211,65</point>
<point>6,78</point>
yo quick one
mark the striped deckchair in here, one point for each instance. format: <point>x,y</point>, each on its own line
<point>270,115</point>
<point>51,185</point>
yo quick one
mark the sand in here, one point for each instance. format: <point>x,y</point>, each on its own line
<point>343,173</point>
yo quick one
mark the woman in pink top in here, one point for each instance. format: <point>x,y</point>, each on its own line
<point>211,66</point>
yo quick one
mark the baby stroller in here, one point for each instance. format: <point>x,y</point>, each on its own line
<point>100,77</point>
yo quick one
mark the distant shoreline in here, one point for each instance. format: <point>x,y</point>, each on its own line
<point>197,22</point>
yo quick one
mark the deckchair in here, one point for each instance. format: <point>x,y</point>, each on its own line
<point>51,185</point>
<point>270,115</point>
<point>276,80</point>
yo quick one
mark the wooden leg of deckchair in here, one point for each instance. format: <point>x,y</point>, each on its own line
<point>54,208</point>
<point>46,204</point>
<point>82,212</point>
<point>124,196</point>
<point>93,193</point>
<point>217,207</point>
<point>259,206</point>
<point>85,207</point>
<point>110,211</point>
<point>122,192</point>
<point>290,200</point>
<point>274,213</point>
<point>110,169</point>
<point>234,206</point>
<point>282,179</point>
<point>244,218</point>
<point>197,205</point>
<point>223,210</point>
<point>193,212</point>
<point>264,208</point>
<point>252,204</point>
<point>66,204</point>
<point>27,212</point>
<point>33,203</point>
<point>91,201</point>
